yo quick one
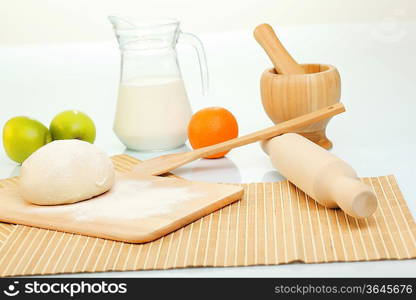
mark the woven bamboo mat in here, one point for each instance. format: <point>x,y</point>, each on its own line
<point>273,224</point>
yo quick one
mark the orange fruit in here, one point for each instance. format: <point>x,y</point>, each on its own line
<point>212,125</point>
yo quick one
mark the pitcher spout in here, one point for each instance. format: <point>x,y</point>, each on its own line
<point>142,34</point>
<point>121,22</point>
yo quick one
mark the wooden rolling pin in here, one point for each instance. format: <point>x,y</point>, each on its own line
<point>320,174</point>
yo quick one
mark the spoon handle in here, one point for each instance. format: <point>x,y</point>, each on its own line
<point>284,127</point>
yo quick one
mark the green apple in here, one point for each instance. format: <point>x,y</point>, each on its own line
<point>22,136</point>
<point>72,124</point>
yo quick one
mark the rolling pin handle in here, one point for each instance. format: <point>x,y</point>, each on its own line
<point>354,197</point>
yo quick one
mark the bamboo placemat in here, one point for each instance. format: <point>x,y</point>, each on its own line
<point>273,224</point>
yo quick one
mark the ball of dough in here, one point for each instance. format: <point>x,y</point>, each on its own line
<point>65,171</point>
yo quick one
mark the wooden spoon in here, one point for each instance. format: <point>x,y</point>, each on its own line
<point>169,162</point>
<point>283,62</point>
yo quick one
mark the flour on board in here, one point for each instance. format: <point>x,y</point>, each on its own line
<point>127,200</point>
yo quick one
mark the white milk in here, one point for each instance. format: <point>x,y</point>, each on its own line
<point>152,113</point>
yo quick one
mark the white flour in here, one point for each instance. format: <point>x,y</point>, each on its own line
<point>127,200</point>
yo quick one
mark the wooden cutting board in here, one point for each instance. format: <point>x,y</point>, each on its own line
<point>137,209</point>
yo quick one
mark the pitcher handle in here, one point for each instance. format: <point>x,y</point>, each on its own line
<point>194,41</point>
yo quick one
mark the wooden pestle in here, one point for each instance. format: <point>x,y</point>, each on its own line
<point>283,62</point>
<point>320,174</point>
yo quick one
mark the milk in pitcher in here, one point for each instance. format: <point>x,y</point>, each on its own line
<point>153,110</point>
<point>152,113</point>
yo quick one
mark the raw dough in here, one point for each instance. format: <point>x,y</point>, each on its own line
<point>65,171</point>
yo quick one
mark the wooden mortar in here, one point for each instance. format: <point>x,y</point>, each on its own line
<point>287,96</point>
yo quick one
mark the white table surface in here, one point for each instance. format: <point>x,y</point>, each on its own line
<point>376,134</point>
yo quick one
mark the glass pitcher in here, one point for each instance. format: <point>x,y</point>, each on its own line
<point>153,109</point>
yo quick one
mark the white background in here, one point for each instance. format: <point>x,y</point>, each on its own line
<point>34,21</point>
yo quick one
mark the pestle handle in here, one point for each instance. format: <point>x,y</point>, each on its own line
<point>283,62</point>
<point>320,174</point>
